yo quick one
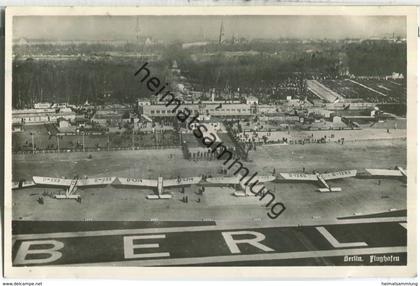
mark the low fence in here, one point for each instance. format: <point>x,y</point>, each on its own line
<point>91,149</point>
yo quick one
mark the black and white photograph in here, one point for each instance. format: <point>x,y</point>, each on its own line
<point>208,138</point>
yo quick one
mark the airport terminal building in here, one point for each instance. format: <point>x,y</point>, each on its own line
<point>207,109</point>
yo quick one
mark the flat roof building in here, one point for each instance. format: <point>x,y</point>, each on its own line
<point>211,109</point>
<point>41,116</point>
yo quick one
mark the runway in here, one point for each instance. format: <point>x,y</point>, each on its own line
<point>118,226</point>
<point>357,241</point>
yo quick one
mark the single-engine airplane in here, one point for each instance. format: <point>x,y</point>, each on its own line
<point>72,185</point>
<point>238,180</point>
<point>160,184</point>
<point>321,178</point>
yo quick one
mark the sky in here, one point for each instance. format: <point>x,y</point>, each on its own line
<point>199,28</point>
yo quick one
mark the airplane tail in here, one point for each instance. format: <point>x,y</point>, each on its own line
<point>240,194</point>
<point>327,190</point>
<point>159,197</point>
<point>69,197</point>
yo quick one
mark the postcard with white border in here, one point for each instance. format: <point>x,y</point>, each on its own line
<point>210,142</point>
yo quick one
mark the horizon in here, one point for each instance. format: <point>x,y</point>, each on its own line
<point>206,28</point>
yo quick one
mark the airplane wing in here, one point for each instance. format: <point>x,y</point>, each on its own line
<point>135,182</point>
<point>261,179</point>
<point>384,172</point>
<point>237,179</point>
<point>181,182</point>
<point>299,177</point>
<point>22,184</point>
<point>49,181</point>
<point>95,181</point>
<point>66,182</point>
<point>339,175</point>
<point>27,184</point>
<point>223,180</point>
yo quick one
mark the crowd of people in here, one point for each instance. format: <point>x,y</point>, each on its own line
<point>287,138</point>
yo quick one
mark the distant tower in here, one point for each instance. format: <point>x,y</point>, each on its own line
<point>221,33</point>
<point>235,38</point>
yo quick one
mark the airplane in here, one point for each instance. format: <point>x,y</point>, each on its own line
<point>236,180</point>
<point>71,185</point>
<point>160,183</point>
<point>397,172</point>
<point>321,178</point>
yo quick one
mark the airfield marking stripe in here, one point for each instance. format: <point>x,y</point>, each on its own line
<point>370,220</point>
<point>189,229</point>
<point>367,87</point>
<point>252,257</point>
<point>404,225</point>
<point>334,242</point>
